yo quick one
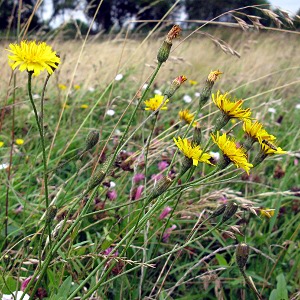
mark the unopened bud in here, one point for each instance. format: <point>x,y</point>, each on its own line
<point>242,254</point>
<point>165,48</point>
<point>218,211</point>
<point>206,91</point>
<point>175,85</point>
<point>91,139</point>
<point>51,213</point>
<point>161,186</point>
<point>100,174</point>
<point>164,52</point>
<point>197,136</point>
<point>230,211</point>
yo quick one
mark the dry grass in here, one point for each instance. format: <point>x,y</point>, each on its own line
<point>262,54</point>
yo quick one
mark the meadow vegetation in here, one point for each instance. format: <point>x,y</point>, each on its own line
<point>125,220</point>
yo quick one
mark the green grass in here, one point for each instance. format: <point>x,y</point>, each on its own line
<point>264,78</point>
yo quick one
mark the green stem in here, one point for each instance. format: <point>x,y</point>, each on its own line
<point>54,249</point>
<point>136,229</point>
<point>158,257</point>
<point>41,136</point>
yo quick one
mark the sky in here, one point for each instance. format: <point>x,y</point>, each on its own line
<point>291,6</point>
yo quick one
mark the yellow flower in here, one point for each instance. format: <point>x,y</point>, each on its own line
<point>19,141</point>
<point>155,103</point>
<point>236,155</point>
<point>257,132</point>
<point>231,109</point>
<point>269,148</point>
<point>62,86</point>
<point>84,106</point>
<point>213,75</point>
<point>192,151</point>
<point>77,87</point>
<point>267,212</point>
<point>193,82</point>
<point>33,57</point>
<point>186,116</point>
<point>1,144</point>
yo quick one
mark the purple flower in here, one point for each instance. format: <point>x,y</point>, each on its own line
<point>25,282</point>
<point>138,177</point>
<point>139,192</point>
<point>112,195</point>
<point>162,165</point>
<point>167,233</point>
<point>157,177</point>
<point>108,252</point>
<point>165,212</point>
<point>19,209</point>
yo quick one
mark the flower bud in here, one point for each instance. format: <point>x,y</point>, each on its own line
<point>161,186</point>
<point>100,174</point>
<point>175,85</point>
<point>230,211</point>
<point>206,91</point>
<point>242,254</point>
<point>164,50</point>
<point>51,213</point>
<point>91,139</point>
<point>197,136</point>
<point>218,211</point>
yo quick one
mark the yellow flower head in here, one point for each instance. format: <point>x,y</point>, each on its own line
<point>33,57</point>
<point>193,82</point>
<point>267,212</point>
<point>269,148</point>
<point>84,106</point>
<point>1,144</point>
<point>231,109</point>
<point>77,87</point>
<point>213,75</point>
<point>257,132</point>
<point>186,116</point>
<point>192,151</point>
<point>154,103</point>
<point>19,141</point>
<point>62,86</point>
<point>236,155</point>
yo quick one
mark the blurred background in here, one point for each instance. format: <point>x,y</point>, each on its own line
<point>114,15</point>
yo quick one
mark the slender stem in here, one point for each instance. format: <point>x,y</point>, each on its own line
<point>10,162</point>
<point>42,138</point>
<point>145,192</point>
<point>137,106</point>
<point>158,257</point>
<point>54,249</point>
